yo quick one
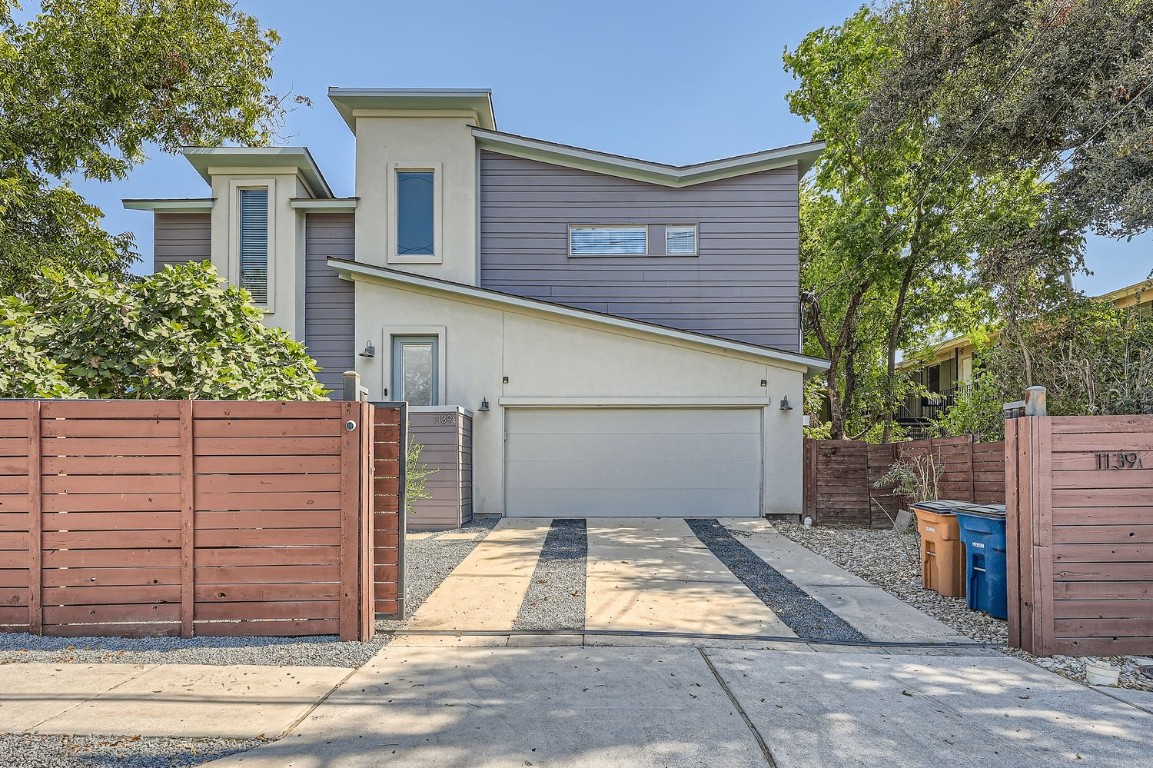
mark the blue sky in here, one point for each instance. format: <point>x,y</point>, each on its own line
<point>673,81</point>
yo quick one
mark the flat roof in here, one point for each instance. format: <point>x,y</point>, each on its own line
<point>203,158</point>
<point>477,100</point>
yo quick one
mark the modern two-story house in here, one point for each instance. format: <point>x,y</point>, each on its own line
<point>624,333</point>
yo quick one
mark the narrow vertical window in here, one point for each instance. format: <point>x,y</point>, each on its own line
<point>254,243</point>
<point>415,213</point>
<point>415,378</point>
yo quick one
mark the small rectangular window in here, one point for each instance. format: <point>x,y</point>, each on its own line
<point>681,240</point>
<point>415,213</point>
<point>254,243</point>
<point>415,378</point>
<point>609,241</point>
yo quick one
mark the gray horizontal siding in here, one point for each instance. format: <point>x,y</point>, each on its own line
<point>179,238</point>
<point>329,324</point>
<point>743,284</point>
<point>448,450</point>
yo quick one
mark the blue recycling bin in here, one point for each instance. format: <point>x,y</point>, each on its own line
<point>986,575</point>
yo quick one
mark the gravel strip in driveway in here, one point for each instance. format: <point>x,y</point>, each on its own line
<point>34,751</point>
<point>556,595</point>
<point>800,611</point>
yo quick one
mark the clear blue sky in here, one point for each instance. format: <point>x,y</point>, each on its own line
<point>675,81</point>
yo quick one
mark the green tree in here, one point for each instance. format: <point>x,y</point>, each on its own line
<point>1069,80</point>
<point>889,225</point>
<point>87,85</point>
<point>178,334</point>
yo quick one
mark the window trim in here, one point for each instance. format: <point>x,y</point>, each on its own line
<point>393,209</point>
<point>696,239</point>
<point>235,186</point>
<point>439,332</point>
<point>573,227</point>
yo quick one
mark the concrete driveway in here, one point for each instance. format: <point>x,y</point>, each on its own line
<point>678,698</point>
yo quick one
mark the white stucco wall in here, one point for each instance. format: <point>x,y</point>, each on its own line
<point>555,362</point>
<point>286,261</point>
<point>441,142</point>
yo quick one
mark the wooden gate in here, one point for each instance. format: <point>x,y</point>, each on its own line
<point>1079,518</point>
<point>186,518</point>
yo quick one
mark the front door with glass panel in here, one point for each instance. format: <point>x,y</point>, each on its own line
<point>415,378</point>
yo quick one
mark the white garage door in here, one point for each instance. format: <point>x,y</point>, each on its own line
<point>633,462</point>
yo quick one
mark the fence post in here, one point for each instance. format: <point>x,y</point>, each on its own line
<point>187,521</point>
<point>35,523</point>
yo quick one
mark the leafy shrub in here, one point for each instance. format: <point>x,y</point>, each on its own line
<point>178,334</point>
<point>415,475</point>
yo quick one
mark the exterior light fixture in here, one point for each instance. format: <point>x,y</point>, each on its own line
<point>483,405</point>
<point>785,404</point>
<point>369,349</point>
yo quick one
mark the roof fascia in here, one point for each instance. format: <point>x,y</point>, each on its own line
<point>478,101</point>
<point>205,158</point>
<point>809,365</point>
<point>802,155</point>
<point>169,205</point>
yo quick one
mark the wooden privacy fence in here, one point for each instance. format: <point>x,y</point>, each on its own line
<point>840,476</point>
<point>186,518</point>
<point>1079,519</point>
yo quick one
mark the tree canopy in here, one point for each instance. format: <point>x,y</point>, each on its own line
<point>1059,86</point>
<point>178,334</point>
<point>891,224</point>
<point>87,85</point>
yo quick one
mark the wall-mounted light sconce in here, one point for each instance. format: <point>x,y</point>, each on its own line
<point>369,349</point>
<point>483,405</point>
<point>785,404</point>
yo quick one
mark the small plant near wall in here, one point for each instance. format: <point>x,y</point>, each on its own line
<point>415,476</point>
<point>916,478</point>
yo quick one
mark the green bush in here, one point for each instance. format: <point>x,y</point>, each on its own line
<point>178,334</point>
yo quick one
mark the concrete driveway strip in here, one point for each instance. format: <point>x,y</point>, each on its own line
<point>489,707</point>
<point>871,610</point>
<point>656,575</point>
<point>201,701</point>
<point>485,591</point>
<point>847,710</point>
<point>33,693</point>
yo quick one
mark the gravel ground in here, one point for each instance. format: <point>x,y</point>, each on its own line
<point>892,561</point>
<point>111,752</point>
<point>556,595</point>
<point>800,611</point>
<point>430,560</point>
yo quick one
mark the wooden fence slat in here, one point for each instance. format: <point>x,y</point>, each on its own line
<point>35,521</point>
<point>365,514</point>
<point>187,520</point>
<point>1012,535</point>
<point>349,508</point>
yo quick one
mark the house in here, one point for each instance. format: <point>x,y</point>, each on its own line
<point>946,370</point>
<point>622,335</point>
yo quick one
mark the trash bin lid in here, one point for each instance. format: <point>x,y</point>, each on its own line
<point>940,506</point>
<point>996,511</point>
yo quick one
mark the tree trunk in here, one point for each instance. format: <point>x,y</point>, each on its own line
<point>894,340</point>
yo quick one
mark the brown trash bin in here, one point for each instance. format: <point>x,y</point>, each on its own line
<point>942,553</point>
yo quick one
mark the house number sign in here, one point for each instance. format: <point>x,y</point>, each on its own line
<point>1119,460</point>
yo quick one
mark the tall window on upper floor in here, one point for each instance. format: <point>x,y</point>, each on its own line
<point>254,243</point>
<point>415,213</point>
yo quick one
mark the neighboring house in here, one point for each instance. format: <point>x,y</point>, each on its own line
<point>947,370</point>
<point>625,333</point>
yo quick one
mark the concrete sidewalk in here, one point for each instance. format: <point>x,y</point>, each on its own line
<point>161,699</point>
<point>605,707</point>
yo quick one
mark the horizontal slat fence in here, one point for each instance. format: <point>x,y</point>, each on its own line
<point>840,476</point>
<point>185,518</point>
<point>390,424</point>
<point>1080,534</point>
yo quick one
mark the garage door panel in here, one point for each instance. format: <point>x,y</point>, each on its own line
<point>638,502</point>
<point>627,420</point>
<point>629,462</point>
<point>625,447</point>
<point>590,475</point>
